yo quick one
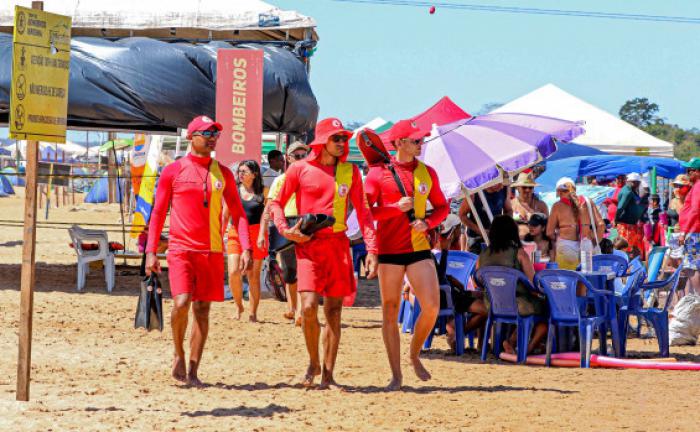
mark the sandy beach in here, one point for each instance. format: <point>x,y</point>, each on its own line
<point>93,371</point>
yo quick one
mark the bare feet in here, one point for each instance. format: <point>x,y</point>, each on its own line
<point>328,382</point>
<point>179,372</point>
<point>253,318</point>
<point>193,381</point>
<point>452,342</point>
<point>395,384</point>
<point>421,372</point>
<point>289,315</point>
<point>298,322</point>
<point>507,347</point>
<point>240,312</point>
<point>312,372</point>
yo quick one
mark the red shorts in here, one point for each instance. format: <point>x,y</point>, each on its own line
<point>324,266</point>
<point>233,245</point>
<point>200,274</point>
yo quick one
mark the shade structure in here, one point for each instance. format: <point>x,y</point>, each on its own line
<point>117,144</point>
<point>472,153</point>
<point>606,165</point>
<point>443,112</point>
<point>604,131</point>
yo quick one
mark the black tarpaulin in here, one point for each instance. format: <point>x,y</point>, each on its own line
<point>149,85</point>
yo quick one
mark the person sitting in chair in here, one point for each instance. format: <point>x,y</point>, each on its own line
<point>505,249</point>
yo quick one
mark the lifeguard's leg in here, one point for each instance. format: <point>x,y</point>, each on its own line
<point>390,285</point>
<point>423,278</point>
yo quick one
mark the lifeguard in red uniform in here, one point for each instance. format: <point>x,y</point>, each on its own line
<point>325,183</point>
<point>404,248</point>
<point>194,188</point>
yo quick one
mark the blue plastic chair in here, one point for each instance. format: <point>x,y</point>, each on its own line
<point>460,265</point>
<point>658,317</point>
<point>565,309</point>
<point>654,262</point>
<point>501,284</point>
<point>608,263</point>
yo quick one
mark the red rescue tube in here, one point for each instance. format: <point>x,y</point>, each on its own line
<point>372,147</point>
<point>637,364</point>
<point>539,360</point>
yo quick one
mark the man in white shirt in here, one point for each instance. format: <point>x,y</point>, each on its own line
<point>275,159</point>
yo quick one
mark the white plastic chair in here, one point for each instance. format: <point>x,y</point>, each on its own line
<point>78,236</point>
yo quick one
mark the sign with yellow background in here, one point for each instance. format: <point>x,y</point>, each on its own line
<point>40,70</point>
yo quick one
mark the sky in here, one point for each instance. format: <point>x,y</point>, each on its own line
<point>396,61</point>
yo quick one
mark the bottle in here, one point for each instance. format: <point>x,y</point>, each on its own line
<point>586,255</point>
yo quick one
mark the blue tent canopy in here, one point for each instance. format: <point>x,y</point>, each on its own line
<point>99,192</point>
<point>570,150</point>
<point>606,165</point>
<point>14,179</point>
<point>6,186</point>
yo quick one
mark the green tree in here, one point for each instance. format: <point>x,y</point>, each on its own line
<point>640,112</point>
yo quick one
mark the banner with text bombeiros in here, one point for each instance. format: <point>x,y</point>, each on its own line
<point>40,70</point>
<point>147,191</point>
<point>239,93</point>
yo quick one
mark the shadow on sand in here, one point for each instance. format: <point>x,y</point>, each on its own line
<point>240,411</point>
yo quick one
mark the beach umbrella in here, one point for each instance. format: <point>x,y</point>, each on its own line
<point>117,144</point>
<point>472,153</point>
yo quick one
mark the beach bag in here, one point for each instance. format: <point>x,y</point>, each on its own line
<point>149,309</point>
<point>684,328</point>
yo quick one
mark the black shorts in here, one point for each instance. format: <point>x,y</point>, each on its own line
<point>405,259</point>
<point>287,259</point>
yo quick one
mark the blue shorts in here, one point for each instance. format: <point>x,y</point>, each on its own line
<point>692,251</point>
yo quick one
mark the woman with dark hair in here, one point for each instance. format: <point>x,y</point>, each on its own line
<point>505,249</point>
<point>537,226</point>
<point>251,191</point>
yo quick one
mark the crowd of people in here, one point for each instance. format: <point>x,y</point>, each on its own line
<point>401,217</point>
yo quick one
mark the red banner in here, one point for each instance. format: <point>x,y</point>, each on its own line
<point>239,93</point>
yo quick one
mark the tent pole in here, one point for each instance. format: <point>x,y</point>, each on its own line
<point>484,234</point>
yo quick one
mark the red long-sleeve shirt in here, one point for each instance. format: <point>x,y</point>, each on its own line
<point>689,218</point>
<point>194,227</point>
<point>393,229</point>
<point>314,185</point>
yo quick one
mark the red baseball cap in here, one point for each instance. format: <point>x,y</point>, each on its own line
<point>326,128</point>
<point>202,123</point>
<point>405,129</point>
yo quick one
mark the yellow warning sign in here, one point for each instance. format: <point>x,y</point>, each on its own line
<point>40,70</point>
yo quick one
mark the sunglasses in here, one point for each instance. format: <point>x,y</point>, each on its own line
<point>298,156</point>
<point>527,187</point>
<point>340,138</point>
<point>209,134</point>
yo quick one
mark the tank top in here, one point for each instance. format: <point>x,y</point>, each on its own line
<point>253,209</point>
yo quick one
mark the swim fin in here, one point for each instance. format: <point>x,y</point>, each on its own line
<point>149,310</point>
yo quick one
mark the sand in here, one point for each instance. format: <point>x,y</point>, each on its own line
<point>93,371</point>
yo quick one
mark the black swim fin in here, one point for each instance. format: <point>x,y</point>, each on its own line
<point>149,310</point>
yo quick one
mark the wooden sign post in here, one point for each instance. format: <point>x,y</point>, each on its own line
<point>38,111</point>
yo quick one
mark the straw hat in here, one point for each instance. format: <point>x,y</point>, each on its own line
<point>524,180</point>
<point>681,180</point>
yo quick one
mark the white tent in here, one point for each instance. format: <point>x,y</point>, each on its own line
<point>604,131</point>
<point>202,19</point>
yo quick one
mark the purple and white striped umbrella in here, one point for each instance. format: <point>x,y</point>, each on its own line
<point>471,153</point>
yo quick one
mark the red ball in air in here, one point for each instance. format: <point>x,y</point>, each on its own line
<point>432,10</point>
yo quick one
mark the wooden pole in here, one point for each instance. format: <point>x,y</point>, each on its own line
<point>26,305</point>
